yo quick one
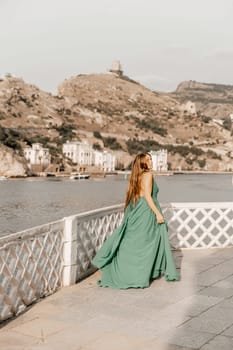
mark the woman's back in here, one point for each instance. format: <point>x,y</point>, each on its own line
<point>146,183</point>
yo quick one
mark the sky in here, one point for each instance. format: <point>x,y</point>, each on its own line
<point>159,43</point>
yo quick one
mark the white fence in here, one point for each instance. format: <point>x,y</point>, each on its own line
<point>30,267</point>
<point>36,262</point>
<point>200,225</point>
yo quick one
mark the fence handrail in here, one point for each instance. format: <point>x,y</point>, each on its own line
<point>199,205</point>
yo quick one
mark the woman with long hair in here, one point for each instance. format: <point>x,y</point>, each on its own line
<point>138,251</point>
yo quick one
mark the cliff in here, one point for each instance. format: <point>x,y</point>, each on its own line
<point>214,100</point>
<point>11,165</point>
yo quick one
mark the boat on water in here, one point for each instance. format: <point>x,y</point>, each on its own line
<point>79,176</point>
<point>2,178</point>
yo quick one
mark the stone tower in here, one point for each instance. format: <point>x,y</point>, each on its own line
<point>116,68</point>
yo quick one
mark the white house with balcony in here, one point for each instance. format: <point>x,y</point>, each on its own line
<point>83,154</point>
<point>105,161</point>
<point>79,152</point>
<point>159,159</point>
<point>97,159</point>
<point>37,155</point>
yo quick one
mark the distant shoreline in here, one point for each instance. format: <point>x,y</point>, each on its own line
<point>196,172</point>
<point>122,172</point>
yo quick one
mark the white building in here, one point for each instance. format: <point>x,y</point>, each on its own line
<point>105,161</point>
<point>79,152</point>
<point>83,154</point>
<point>37,155</point>
<point>159,159</point>
<point>97,159</point>
<point>109,161</point>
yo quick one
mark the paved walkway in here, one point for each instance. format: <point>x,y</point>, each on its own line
<point>195,313</point>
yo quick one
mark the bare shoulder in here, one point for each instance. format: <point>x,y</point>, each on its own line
<point>147,176</point>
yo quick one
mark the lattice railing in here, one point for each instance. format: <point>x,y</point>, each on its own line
<point>30,267</point>
<point>191,225</point>
<point>200,225</point>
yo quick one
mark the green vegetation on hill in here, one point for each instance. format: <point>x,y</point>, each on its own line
<point>150,124</point>
<point>190,153</point>
<point>10,138</point>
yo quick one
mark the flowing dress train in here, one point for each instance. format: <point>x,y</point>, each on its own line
<point>138,251</point>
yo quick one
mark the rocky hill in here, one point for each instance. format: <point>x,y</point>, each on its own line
<point>214,100</point>
<point>116,113</point>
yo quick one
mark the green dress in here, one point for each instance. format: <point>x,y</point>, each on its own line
<point>138,251</point>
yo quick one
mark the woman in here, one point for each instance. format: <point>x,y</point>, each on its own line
<point>138,251</point>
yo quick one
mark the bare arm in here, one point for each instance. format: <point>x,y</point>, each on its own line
<point>147,189</point>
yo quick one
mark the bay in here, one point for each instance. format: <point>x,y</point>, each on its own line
<point>25,203</point>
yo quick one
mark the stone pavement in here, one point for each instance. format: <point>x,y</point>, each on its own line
<point>194,313</point>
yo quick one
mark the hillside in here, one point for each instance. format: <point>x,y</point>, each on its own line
<point>116,113</point>
<point>214,100</point>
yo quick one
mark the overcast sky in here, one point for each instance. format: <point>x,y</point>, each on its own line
<point>158,42</point>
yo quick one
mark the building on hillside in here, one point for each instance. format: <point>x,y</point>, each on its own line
<point>97,159</point>
<point>37,155</point>
<point>80,153</point>
<point>159,159</point>
<point>83,154</point>
<point>109,161</point>
<point>105,161</point>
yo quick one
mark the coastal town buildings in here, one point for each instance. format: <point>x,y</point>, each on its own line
<point>37,155</point>
<point>83,154</point>
<point>159,159</point>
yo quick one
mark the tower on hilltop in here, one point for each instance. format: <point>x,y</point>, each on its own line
<point>116,68</point>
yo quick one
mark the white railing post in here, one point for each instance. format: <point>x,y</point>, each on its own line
<point>69,251</point>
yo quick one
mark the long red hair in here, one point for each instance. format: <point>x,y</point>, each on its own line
<point>139,167</point>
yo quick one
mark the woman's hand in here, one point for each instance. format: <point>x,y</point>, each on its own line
<point>160,218</point>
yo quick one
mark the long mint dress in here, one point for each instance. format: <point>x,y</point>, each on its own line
<point>138,251</point>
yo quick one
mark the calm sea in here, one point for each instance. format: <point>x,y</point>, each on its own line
<point>25,203</point>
